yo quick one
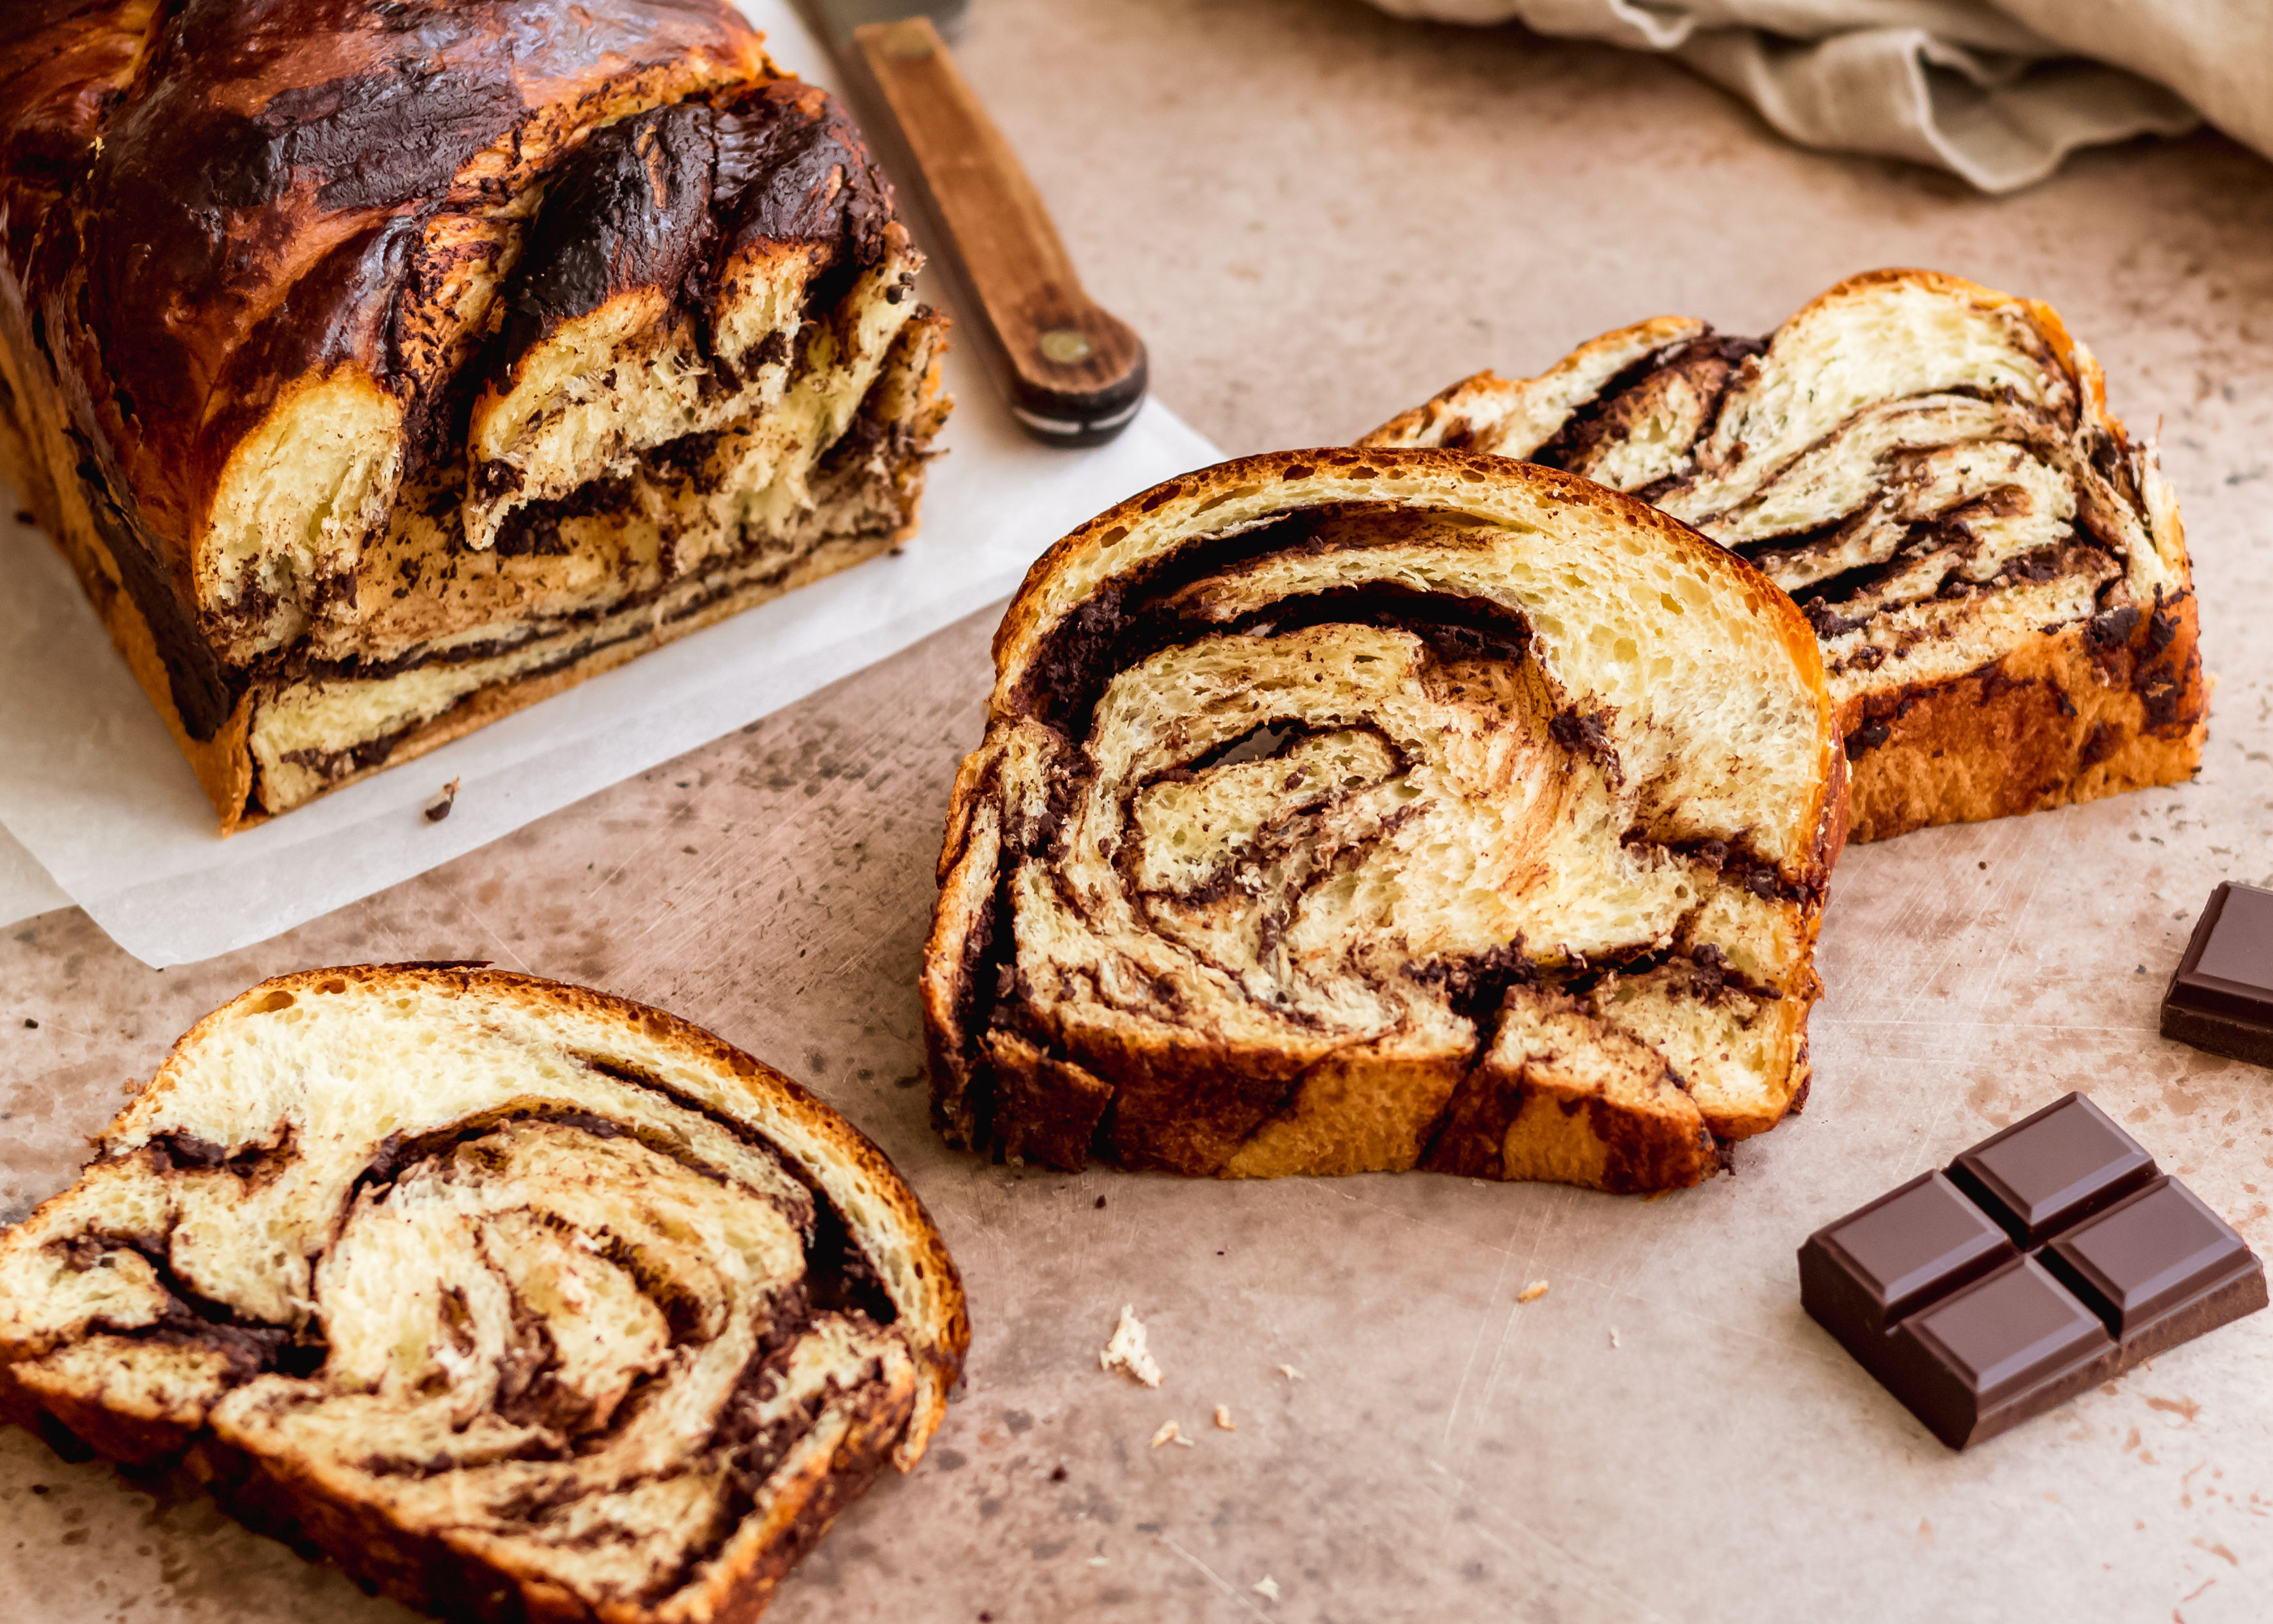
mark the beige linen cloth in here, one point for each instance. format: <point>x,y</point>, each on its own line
<point>1999,91</point>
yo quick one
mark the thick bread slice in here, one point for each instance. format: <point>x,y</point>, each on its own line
<point>1997,573</point>
<point>518,1299</point>
<point>1348,810</point>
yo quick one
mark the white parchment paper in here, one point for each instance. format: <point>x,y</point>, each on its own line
<point>25,887</point>
<point>110,818</point>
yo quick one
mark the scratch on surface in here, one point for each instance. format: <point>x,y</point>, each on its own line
<point>671,828</point>
<point>471,912</point>
<point>1989,980</point>
<point>1460,1392</point>
<point>1570,1559</point>
<point>1418,1224</point>
<point>1221,1583</point>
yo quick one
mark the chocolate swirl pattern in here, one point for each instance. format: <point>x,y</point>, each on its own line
<point>511,1297</point>
<point>1342,811</point>
<point>383,366</point>
<point>1997,573</point>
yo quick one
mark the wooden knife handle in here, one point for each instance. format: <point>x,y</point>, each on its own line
<point>1074,373</point>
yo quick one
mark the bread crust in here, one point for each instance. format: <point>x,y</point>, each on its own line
<point>1188,1101</point>
<point>234,424</point>
<point>2058,721</point>
<point>893,1419</point>
<point>2062,714</point>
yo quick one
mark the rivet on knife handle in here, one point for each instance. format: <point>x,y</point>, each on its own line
<point>1074,371</point>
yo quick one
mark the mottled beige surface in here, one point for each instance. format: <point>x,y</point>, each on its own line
<point>1317,217</point>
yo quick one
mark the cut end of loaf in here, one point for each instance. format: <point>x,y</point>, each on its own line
<point>1340,811</point>
<point>598,1312</point>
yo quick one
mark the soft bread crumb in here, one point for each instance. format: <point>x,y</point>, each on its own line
<point>1171,1433</point>
<point>445,798</point>
<point>1290,1373</point>
<point>1614,1336</point>
<point>1267,1588</point>
<point>1223,1421</point>
<point>1125,1352</point>
<point>1533,1292</point>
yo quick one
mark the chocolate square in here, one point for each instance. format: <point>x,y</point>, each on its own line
<point>2016,1327</point>
<point>1992,1341</point>
<point>2049,1171</point>
<point>2221,996</point>
<point>1910,1246</point>
<point>2161,1248</point>
<point>1927,1289</point>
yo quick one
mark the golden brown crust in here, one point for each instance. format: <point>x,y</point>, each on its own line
<point>2069,712</point>
<point>2058,721</point>
<point>890,1417</point>
<point>341,222</point>
<point>1445,418</point>
<point>1197,1104</point>
<point>298,125</point>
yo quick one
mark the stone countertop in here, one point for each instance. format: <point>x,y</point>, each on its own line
<point>1317,217</point>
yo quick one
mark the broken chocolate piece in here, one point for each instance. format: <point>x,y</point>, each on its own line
<point>2221,996</point>
<point>2048,1257</point>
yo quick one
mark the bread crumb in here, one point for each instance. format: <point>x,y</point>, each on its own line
<point>1533,1292</point>
<point>1167,1434</point>
<point>1125,1352</point>
<point>446,797</point>
<point>1290,1373</point>
<point>1267,1588</point>
<point>1614,1336</point>
<point>1223,1421</point>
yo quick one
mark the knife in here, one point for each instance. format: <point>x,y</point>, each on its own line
<point>1072,373</point>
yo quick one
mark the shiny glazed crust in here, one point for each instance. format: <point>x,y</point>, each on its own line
<point>2094,697</point>
<point>141,1392</point>
<point>1140,667</point>
<point>353,435</point>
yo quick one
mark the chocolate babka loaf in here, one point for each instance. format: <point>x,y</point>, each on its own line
<point>518,1300</point>
<point>1996,571</point>
<point>1343,811</point>
<point>383,366</point>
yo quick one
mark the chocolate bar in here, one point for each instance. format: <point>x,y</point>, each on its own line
<point>2046,1259</point>
<point>2221,996</point>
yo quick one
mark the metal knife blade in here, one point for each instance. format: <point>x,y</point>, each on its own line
<point>1072,373</point>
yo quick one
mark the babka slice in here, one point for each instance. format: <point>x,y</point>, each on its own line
<point>383,366</point>
<point>1996,571</point>
<point>1352,810</point>
<point>517,1299</point>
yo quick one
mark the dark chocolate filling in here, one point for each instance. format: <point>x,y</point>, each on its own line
<point>840,1276</point>
<point>1710,359</point>
<point>203,688</point>
<point>664,200</point>
<point>1132,618</point>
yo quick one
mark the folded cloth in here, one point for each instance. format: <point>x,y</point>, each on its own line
<point>1997,91</point>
